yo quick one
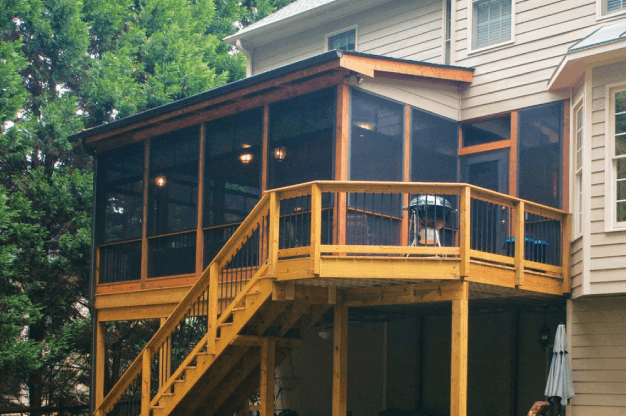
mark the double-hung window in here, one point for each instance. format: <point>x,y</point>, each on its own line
<point>613,6</point>
<point>492,22</point>
<point>578,168</point>
<point>617,154</point>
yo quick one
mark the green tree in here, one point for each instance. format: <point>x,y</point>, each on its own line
<point>65,65</point>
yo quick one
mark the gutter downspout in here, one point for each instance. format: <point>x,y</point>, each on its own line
<point>248,54</point>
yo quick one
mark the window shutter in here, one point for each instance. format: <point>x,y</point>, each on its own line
<point>492,22</point>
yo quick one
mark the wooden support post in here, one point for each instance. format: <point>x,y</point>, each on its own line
<point>100,355</point>
<point>214,272</point>
<point>268,366</point>
<point>519,243</point>
<point>566,247</point>
<point>340,361</point>
<point>266,128</point>
<point>145,382</point>
<point>144,232</point>
<point>274,217</point>
<point>513,156</point>
<point>464,230</point>
<point>458,373</point>
<point>341,159</point>
<point>199,233</point>
<point>404,232</point>
<point>316,227</point>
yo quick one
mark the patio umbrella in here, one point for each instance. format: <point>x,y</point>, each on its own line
<point>560,386</point>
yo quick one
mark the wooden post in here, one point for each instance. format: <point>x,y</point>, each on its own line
<point>274,217</point>
<point>316,227</point>
<point>268,366</point>
<point>214,272</point>
<point>145,383</point>
<point>341,159</point>
<point>340,361</point>
<point>100,355</point>
<point>566,235</point>
<point>264,160</point>
<point>458,373</point>
<point>404,233</point>
<point>519,243</point>
<point>144,232</point>
<point>199,233</point>
<point>464,230</point>
<point>513,156</point>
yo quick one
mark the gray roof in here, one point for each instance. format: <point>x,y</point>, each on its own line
<point>287,12</point>
<point>605,34</point>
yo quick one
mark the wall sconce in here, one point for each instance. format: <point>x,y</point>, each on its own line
<point>366,125</point>
<point>349,76</point>
<point>160,181</point>
<point>280,153</point>
<point>324,333</point>
<point>245,158</point>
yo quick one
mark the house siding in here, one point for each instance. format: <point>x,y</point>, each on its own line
<point>398,29</point>
<point>597,328</point>
<point>577,267</point>
<point>516,75</point>
<point>607,263</point>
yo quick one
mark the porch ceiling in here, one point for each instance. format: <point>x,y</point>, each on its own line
<point>330,68</point>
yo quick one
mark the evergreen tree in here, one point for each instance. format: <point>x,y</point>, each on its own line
<point>65,65</point>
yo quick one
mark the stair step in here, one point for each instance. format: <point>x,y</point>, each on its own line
<point>226,324</point>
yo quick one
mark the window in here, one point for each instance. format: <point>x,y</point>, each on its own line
<point>448,31</point>
<point>617,144</point>
<point>613,6</point>
<point>344,41</point>
<point>491,22</point>
<point>578,169</point>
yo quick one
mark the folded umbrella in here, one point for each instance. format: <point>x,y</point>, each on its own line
<point>560,385</point>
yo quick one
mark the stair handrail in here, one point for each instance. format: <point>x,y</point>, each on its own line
<point>228,251</point>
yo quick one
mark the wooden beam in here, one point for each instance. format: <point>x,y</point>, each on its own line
<point>316,227</point>
<point>458,365</point>
<point>268,367</point>
<point>404,294</point>
<point>100,355</point>
<point>131,313</point>
<point>214,272</point>
<point>145,382</point>
<point>413,268</point>
<point>274,219</point>
<point>376,67</point>
<point>340,361</point>
<point>465,204</point>
<point>160,296</point>
<point>481,148</point>
<point>341,158</point>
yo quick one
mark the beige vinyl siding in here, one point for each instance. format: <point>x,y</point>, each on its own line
<point>577,267</point>
<point>597,330</point>
<point>439,99</point>
<point>516,75</point>
<point>607,264</point>
<point>400,29</point>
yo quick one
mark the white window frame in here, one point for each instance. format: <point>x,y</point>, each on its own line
<point>610,184</point>
<point>471,29</point>
<point>579,127</point>
<point>337,32</point>
<point>600,15</point>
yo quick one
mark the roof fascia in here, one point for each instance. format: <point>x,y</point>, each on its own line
<point>573,65</point>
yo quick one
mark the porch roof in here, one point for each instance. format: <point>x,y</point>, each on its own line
<point>367,65</point>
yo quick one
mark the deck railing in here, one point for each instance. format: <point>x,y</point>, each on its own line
<point>326,219</point>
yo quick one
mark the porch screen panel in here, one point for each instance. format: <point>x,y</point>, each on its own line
<point>232,178</point>
<point>486,131</point>
<point>375,154</point>
<point>301,133</point>
<point>173,195</point>
<point>120,194</point>
<point>434,142</point>
<point>172,202</point>
<point>540,154</point>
